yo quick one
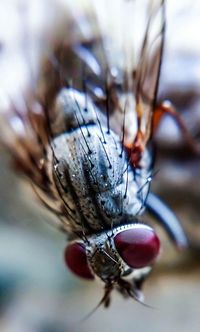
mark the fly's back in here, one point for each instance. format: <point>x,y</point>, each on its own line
<point>92,170</point>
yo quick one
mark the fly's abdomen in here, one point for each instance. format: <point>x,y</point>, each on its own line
<point>92,172</point>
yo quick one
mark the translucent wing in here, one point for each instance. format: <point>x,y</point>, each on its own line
<point>91,47</point>
<point>119,64</point>
<point>31,78</point>
<point>148,70</point>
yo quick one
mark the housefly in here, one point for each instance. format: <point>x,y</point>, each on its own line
<point>82,136</point>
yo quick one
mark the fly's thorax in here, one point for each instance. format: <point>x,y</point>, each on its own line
<point>91,169</point>
<point>92,173</point>
<point>70,110</point>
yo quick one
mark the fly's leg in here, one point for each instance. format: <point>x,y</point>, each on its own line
<point>154,205</point>
<point>166,108</point>
<point>133,287</point>
<point>158,209</point>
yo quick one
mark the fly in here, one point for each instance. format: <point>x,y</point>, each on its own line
<point>84,142</point>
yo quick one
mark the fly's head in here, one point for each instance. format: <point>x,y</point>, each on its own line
<point>121,258</point>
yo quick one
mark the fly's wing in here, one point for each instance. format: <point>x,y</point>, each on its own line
<point>119,64</point>
<point>30,79</point>
<point>39,59</point>
<point>147,72</point>
<point>85,45</point>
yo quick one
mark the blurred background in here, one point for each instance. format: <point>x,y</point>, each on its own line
<point>37,292</point>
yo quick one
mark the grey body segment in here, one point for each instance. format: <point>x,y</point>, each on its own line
<point>93,175</point>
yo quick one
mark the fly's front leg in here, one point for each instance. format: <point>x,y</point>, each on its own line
<point>167,219</point>
<point>166,108</point>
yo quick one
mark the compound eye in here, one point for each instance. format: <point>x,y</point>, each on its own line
<point>76,260</point>
<point>138,246</point>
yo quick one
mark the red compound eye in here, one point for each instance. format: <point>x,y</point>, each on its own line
<point>138,246</point>
<point>76,260</point>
